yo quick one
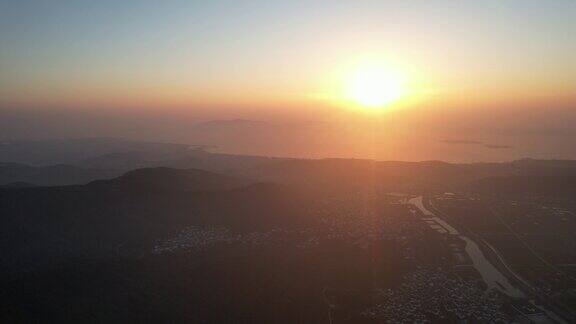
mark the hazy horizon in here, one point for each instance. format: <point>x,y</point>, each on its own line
<point>479,81</point>
<point>545,135</point>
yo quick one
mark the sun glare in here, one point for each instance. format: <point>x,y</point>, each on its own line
<point>374,87</point>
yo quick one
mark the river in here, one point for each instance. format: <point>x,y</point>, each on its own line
<point>490,274</point>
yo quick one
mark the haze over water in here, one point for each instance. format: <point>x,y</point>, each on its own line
<point>481,80</point>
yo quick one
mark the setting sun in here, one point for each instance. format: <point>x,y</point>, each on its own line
<point>375,87</point>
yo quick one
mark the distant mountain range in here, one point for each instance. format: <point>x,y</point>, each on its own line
<point>167,179</point>
<point>93,159</point>
<point>63,162</point>
<point>551,185</point>
<point>348,174</point>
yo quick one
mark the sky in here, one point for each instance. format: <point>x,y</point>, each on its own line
<point>486,80</point>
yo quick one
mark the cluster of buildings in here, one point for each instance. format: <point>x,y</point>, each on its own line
<point>196,239</point>
<point>357,219</point>
<point>352,218</point>
<point>427,296</point>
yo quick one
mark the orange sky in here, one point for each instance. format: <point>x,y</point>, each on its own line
<point>281,62</point>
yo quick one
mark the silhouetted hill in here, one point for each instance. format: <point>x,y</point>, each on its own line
<point>561,186</point>
<point>162,178</point>
<point>121,156</point>
<point>545,167</point>
<point>197,158</point>
<point>125,155</point>
<point>44,226</point>
<point>54,175</point>
<point>18,185</point>
<point>124,160</point>
<point>385,175</point>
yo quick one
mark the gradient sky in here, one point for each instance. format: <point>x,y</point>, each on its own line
<point>467,61</point>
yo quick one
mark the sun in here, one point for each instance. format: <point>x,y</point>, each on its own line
<point>374,86</point>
